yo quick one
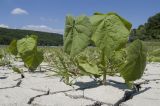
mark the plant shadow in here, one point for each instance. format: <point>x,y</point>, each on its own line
<point>86,85</point>
<point>94,84</point>
<point>117,84</point>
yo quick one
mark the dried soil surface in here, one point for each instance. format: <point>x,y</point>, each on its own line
<point>37,89</point>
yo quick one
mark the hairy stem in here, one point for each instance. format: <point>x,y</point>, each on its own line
<point>104,77</point>
<point>103,68</point>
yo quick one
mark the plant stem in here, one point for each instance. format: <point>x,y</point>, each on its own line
<point>67,80</point>
<point>104,77</point>
<point>103,68</point>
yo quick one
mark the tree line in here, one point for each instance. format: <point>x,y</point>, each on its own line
<point>149,31</point>
<point>44,38</point>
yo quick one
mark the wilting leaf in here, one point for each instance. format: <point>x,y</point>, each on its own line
<point>27,48</point>
<point>110,32</point>
<point>26,44</point>
<point>127,24</point>
<point>13,47</point>
<point>90,68</point>
<point>134,67</point>
<point>32,59</point>
<point>77,34</point>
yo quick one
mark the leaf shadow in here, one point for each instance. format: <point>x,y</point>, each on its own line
<point>117,84</point>
<point>86,85</point>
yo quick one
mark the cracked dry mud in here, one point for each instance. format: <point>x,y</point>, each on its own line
<point>36,89</point>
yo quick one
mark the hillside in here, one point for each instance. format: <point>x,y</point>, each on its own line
<point>149,31</point>
<point>44,38</point>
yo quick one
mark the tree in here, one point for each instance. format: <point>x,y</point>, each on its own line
<point>148,31</point>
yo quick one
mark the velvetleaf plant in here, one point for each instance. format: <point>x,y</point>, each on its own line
<point>109,32</point>
<point>27,49</point>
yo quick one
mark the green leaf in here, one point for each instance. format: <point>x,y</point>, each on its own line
<point>118,57</point>
<point>27,48</point>
<point>26,44</point>
<point>134,67</point>
<point>17,70</point>
<point>154,59</point>
<point>125,22</point>
<point>13,47</point>
<point>110,32</point>
<point>155,53</point>
<point>90,68</point>
<point>32,59</point>
<point>77,34</point>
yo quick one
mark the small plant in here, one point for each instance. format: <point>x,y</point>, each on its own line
<point>63,66</point>
<point>4,58</point>
<point>26,49</point>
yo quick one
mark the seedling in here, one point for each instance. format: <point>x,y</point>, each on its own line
<point>26,49</point>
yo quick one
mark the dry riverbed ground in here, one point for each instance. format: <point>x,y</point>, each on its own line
<point>37,89</point>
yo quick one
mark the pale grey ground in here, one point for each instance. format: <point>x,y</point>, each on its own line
<point>84,92</point>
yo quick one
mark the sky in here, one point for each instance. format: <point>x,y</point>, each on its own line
<point>49,15</point>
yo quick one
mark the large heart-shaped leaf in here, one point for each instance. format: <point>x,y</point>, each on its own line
<point>110,32</point>
<point>26,44</point>
<point>77,34</point>
<point>32,59</point>
<point>27,48</point>
<point>135,64</point>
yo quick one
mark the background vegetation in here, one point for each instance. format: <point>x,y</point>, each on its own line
<point>150,31</point>
<point>44,38</point>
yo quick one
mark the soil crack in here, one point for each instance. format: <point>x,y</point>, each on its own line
<point>87,98</point>
<point>32,98</point>
<point>17,85</point>
<point>129,94</point>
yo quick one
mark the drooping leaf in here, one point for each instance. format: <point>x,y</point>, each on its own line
<point>110,32</point>
<point>90,68</point>
<point>27,48</point>
<point>127,24</point>
<point>26,44</point>
<point>13,47</point>
<point>77,34</point>
<point>32,59</point>
<point>135,64</point>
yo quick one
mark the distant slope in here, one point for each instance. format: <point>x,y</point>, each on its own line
<point>44,38</point>
<point>149,31</point>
